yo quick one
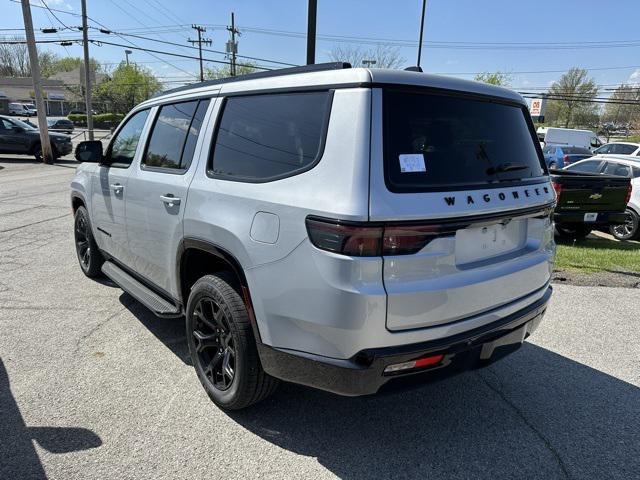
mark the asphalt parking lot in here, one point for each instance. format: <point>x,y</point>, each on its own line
<point>94,386</point>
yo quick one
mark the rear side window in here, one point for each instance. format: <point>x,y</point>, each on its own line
<point>589,166</point>
<point>622,149</point>
<point>174,135</point>
<point>266,137</point>
<point>618,169</point>
<point>438,142</point>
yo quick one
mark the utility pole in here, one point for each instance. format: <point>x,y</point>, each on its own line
<point>424,7</point>
<point>311,31</point>
<point>47,154</point>
<point>127,53</point>
<point>232,45</point>
<point>87,70</point>
<point>200,41</point>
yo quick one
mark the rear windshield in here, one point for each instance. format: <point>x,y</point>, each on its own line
<point>435,142</point>
<point>576,150</point>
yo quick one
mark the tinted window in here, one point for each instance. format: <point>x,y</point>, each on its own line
<point>612,168</point>
<point>123,147</point>
<point>265,137</point>
<point>169,136</point>
<point>636,172</point>
<point>549,150</point>
<point>589,166</point>
<point>194,131</point>
<point>434,141</point>
<point>622,149</point>
<point>603,149</point>
<point>576,150</point>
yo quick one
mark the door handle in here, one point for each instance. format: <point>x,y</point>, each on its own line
<point>170,200</point>
<point>116,187</point>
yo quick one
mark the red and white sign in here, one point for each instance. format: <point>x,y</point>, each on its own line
<point>536,107</point>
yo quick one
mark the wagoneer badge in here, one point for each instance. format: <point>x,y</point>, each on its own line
<point>502,196</point>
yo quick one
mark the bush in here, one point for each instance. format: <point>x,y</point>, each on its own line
<point>101,120</point>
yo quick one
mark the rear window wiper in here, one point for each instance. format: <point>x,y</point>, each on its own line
<point>506,167</point>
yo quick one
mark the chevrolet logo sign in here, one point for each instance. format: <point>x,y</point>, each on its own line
<point>595,196</point>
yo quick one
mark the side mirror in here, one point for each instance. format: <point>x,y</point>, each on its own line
<point>89,151</point>
<point>595,143</point>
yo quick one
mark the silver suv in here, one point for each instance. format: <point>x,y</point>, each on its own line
<point>334,227</point>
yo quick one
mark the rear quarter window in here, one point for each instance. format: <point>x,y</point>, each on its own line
<point>446,142</point>
<point>261,138</point>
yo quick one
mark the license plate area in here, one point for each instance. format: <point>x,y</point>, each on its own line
<point>483,242</point>
<point>590,217</point>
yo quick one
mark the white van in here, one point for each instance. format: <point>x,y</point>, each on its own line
<point>575,138</point>
<point>19,109</point>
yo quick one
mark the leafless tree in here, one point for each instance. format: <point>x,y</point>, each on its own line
<point>14,60</point>
<point>385,56</point>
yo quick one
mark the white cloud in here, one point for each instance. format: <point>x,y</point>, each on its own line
<point>634,78</point>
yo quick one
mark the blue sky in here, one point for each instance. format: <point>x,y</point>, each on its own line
<point>551,24</point>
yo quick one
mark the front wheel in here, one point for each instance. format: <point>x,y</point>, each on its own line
<point>628,230</point>
<point>575,232</point>
<point>89,255</point>
<point>222,345</point>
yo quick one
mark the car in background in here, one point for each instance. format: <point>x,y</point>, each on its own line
<point>572,137</point>
<point>559,157</point>
<point>619,148</point>
<point>18,137</point>
<point>622,166</point>
<point>31,108</point>
<point>19,109</point>
<point>60,125</point>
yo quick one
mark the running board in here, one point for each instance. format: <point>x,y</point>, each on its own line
<point>140,292</point>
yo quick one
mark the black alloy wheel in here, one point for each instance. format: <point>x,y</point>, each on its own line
<point>628,230</point>
<point>214,344</point>
<point>89,255</point>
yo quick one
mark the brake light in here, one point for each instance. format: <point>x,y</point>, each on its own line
<point>566,160</point>
<point>557,187</point>
<point>628,196</point>
<point>374,240</point>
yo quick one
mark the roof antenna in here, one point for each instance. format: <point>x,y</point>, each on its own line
<point>418,68</point>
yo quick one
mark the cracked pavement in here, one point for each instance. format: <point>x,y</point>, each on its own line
<point>94,386</point>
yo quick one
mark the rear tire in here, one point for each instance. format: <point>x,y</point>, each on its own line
<point>222,345</point>
<point>630,230</point>
<point>87,250</point>
<point>574,232</point>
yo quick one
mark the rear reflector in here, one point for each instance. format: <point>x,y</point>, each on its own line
<point>420,363</point>
<point>628,197</point>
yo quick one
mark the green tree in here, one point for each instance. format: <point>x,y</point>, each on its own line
<point>570,98</point>
<point>217,73</point>
<point>627,115</point>
<point>58,64</point>
<point>495,78</point>
<point>127,86</point>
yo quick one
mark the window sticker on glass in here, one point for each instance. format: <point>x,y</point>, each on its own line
<point>412,162</point>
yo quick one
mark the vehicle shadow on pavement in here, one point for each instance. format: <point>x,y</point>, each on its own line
<point>535,414</point>
<point>60,162</point>
<point>18,455</point>
<point>170,331</point>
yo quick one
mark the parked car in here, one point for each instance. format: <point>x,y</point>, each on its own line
<point>328,226</point>
<point>21,138</point>
<point>31,108</point>
<point>60,125</point>
<point>619,148</point>
<point>587,200</point>
<point>19,109</point>
<point>624,166</point>
<point>572,137</point>
<point>560,157</point>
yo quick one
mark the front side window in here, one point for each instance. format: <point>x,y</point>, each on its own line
<point>589,166</point>
<point>603,149</point>
<point>434,141</point>
<point>266,137</point>
<point>174,135</point>
<point>124,145</point>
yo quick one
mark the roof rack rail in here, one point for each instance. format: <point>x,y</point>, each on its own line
<point>316,67</point>
<point>414,69</point>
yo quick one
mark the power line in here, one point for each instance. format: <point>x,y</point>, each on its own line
<point>54,15</point>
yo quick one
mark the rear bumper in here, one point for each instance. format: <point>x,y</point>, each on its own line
<point>364,373</point>
<point>603,219</point>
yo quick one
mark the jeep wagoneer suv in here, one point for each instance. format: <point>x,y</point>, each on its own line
<point>329,226</point>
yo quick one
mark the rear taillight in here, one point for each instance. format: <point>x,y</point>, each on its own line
<point>362,240</point>
<point>558,189</point>
<point>628,196</point>
<point>566,160</point>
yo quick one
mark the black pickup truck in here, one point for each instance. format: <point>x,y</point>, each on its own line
<point>587,201</point>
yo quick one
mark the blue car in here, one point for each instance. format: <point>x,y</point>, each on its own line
<point>560,156</point>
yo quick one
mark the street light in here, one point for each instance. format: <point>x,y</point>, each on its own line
<point>127,53</point>
<point>368,63</point>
